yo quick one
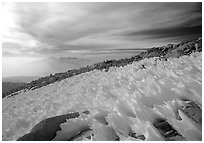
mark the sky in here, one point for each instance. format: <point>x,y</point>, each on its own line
<point>92,31</point>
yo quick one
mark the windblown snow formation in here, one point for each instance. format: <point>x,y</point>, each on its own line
<point>146,100</point>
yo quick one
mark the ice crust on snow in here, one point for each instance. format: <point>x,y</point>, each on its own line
<point>121,102</point>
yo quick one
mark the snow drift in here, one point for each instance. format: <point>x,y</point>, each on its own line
<point>125,103</point>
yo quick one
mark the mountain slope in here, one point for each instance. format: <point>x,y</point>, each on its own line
<point>163,53</point>
<point>151,99</point>
<point>122,102</point>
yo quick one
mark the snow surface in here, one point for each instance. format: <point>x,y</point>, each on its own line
<point>129,98</point>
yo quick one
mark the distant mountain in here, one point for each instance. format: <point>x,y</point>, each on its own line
<point>19,79</point>
<point>52,65</point>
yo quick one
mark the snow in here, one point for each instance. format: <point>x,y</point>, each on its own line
<point>128,98</point>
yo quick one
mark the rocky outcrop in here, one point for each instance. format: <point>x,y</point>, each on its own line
<point>46,129</point>
<point>167,131</point>
<point>193,111</point>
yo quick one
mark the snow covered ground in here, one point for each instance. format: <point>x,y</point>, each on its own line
<point>121,102</point>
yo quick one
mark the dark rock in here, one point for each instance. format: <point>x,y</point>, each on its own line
<point>193,111</point>
<point>141,137</point>
<point>46,129</point>
<point>165,129</point>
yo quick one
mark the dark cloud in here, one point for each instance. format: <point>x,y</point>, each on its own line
<point>198,8</point>
<point>177,32</point>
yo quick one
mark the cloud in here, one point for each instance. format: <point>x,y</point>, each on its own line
<point>47,29</point>
<point>176,32</point>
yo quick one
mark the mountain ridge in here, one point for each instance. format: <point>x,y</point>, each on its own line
<point>163,53</point>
